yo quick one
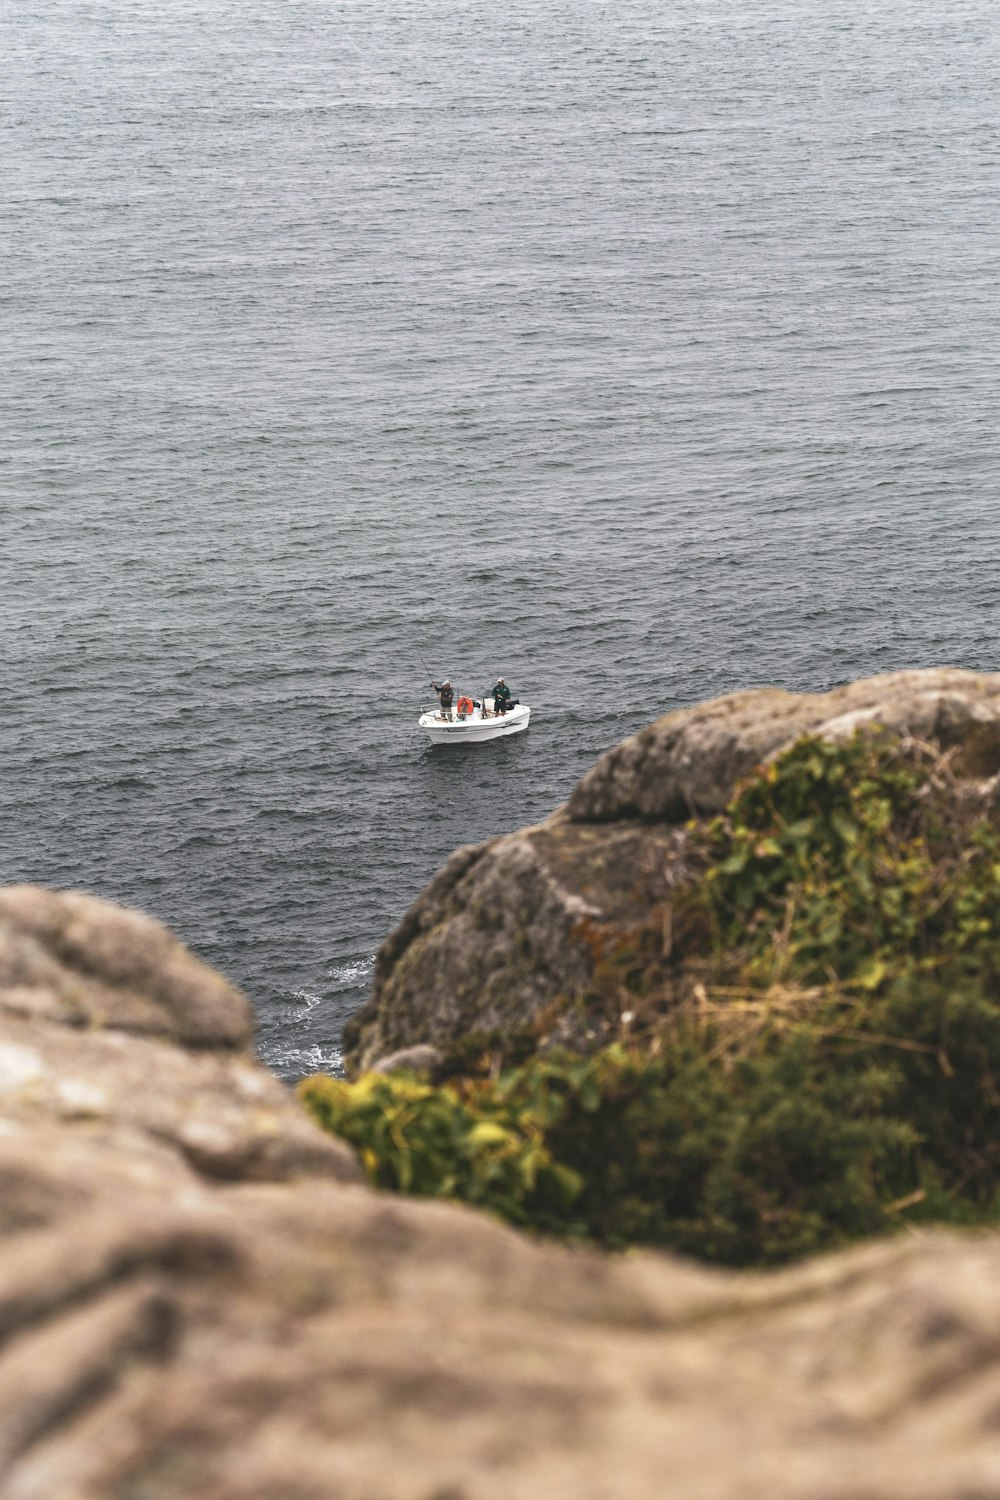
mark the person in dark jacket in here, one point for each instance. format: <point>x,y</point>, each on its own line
<point>501,697</point>
<point>446,694</point>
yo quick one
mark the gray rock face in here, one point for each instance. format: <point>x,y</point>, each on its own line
<point>170,1335</point>
<point>199,1301</point>
<point>688,762</point>
<point>509,932</point>
<point>415,1059</point>
<point>71,959</point>
<point>109,1025</point>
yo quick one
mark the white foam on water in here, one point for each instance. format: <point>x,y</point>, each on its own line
<point>301,1003</point>
<point>297,1062</point>
<point>350,975</point>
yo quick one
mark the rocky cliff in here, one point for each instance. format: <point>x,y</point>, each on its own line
<point>200,1300</point>
<point>511,931</point>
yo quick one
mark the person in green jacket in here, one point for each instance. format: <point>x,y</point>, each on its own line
<point>501,697</point>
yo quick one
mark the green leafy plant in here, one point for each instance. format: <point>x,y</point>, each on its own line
<point>850,864</point>
<point>815,1055</point>
<point>770,1159</point>
<point>470,1143</point>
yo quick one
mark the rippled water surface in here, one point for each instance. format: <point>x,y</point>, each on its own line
<point>638,352</point>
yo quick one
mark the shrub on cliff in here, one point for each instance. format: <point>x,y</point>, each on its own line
<point>852,863</point>
<point>816,1058</point>
<point>476,1142</point>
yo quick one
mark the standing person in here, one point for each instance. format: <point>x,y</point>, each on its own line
<point>447,696</point>
<point>501,697</point>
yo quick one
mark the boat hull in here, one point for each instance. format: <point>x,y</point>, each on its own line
<point>475,730</point>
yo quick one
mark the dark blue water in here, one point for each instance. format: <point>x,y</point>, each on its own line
<point>638,352</point>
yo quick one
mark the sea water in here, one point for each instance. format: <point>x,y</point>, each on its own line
<point>637,352</point>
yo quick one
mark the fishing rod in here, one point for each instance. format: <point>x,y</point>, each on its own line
<point>426,668</point>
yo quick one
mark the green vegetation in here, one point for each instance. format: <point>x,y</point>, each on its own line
<point>813,1057</point>
<point>480,1143</point>
<point>851,864</point>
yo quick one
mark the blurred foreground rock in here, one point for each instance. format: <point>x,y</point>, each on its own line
<point>115,1036</point>
<point>508,933</point>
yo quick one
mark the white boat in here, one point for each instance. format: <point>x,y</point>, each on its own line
<point>473,728</point>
